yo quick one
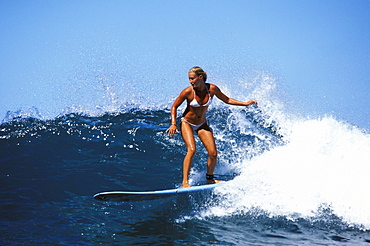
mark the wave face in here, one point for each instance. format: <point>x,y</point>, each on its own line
<point>292,181</point>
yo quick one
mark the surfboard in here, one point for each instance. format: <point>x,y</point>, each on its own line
<point>127,196</point>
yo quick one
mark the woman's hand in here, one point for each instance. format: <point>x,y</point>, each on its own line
<point>172,130</point>
<point>251,102</point>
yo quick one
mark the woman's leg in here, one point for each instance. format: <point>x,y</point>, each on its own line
<point>206,136</point>
<point>188,137</point>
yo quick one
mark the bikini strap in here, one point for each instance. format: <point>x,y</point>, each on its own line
<point>209,93</point>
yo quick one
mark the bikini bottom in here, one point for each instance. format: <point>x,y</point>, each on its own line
<point>193,126</point>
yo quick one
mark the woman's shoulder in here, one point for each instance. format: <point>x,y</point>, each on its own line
<point>187,91</point>
<point>213,87</point>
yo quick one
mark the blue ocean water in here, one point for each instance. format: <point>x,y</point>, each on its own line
<point>303,182</point>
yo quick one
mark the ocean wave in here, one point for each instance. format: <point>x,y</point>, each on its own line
<point>304,174</point>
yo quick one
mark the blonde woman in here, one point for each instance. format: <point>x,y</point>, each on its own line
<point>198,96</point>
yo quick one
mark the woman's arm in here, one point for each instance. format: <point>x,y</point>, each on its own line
<point>179,100</point>
<point>228,100</point>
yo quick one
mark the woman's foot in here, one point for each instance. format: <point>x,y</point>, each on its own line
<point>185,185</point>
<point>213,181</point>
<point>210,179</point>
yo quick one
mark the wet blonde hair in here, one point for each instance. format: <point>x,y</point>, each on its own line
<point>198,71</point>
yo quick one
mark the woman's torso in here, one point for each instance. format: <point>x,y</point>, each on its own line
<point>197,105</point>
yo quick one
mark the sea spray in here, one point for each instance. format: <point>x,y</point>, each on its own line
<point>323,164</point>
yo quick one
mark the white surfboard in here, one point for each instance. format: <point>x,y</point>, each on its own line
<point>126,196</point>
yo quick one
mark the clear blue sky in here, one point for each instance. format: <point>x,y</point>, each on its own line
<point>56,54</point>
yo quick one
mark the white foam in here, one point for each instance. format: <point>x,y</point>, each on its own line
<point>325,162</point>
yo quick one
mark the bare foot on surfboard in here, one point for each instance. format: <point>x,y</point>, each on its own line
<point>186,185</point>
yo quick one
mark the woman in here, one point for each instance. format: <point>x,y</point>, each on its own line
<point>198,96</point>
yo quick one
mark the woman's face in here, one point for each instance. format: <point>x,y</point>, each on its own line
<point>194,79</point>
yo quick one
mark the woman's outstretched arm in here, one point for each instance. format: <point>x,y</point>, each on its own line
<point>231,101</point>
